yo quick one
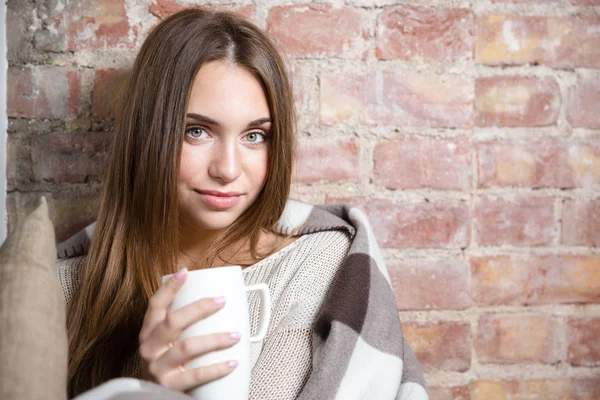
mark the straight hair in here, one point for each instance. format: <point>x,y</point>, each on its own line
<point>136,239</point>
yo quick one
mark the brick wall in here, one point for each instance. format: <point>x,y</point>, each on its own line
<point>467,130</point>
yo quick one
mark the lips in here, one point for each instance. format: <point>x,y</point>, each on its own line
<point>219,200</point>
<point>219,194</point>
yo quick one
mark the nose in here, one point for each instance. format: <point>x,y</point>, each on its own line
<point>225,163</point>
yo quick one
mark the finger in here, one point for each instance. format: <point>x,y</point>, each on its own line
<point>160,302</point>
<point>185,380</point>
<point>188,349</point>
<point>175,322</point>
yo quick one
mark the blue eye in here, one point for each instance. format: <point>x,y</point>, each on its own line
<point>255,137</point>
<point>195,132</point>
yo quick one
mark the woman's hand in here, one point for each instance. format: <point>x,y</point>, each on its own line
<point>163,353</point>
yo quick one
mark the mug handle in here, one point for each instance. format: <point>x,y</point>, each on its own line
<point>265,310</point>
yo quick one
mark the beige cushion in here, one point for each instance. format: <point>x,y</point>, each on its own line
<point>33,337</point>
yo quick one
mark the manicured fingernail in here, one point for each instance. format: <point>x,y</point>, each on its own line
<point>235,335</point>
<point>219,300</point>
<point>181,273</point>
<point>233,363</point>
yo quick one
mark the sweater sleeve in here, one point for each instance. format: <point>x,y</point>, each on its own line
<point>285,362</point>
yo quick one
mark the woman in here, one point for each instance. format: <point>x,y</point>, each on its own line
<point>199,177</point>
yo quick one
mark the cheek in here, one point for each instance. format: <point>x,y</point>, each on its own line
<point>187,167</point>
<point>262,169</point>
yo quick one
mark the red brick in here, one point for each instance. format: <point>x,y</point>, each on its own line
<point>516,101</point>
<point>328,161</point>
<point>583,104</point>
<point>407,32</point>
<point>108,89</point>
<point>422,225</point>
<point>96,24</point>
<point>535,279</point>
<point>547,389</point>
<point>43,92</point>
<point>69,157</point>
<point>449,393</point>
<point>543,163</point>
<point>441,284</point>
<point>442,346</point>
<point>581,223</point>
<point>507,339</point>
<point>69,210</point>
<point>385,98</point>
<point>165,8</point>
<point>419,163</point>
<point>584,347</point>
<point>558,42</point>
<point>318,30</point>
<point>524,222</point>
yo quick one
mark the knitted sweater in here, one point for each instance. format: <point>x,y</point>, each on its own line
<point>334,331</point>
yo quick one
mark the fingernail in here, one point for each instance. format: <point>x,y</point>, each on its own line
<point>181,273</point>
<point>219,300</point>
<point>233,363</point>
<point>235,335</point>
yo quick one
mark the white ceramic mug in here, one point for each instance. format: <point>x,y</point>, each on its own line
<point>233,317</point>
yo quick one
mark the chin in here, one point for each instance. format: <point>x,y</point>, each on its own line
<point>215,222</point>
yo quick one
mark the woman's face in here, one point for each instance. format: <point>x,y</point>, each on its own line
<point>224,156</point>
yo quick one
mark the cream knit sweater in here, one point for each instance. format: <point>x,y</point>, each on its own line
<point>299,277</point>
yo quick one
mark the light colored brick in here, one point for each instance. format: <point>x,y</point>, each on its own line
<point>581,223</point>
<point>96,24</point>
<point>524,222</point>
<point>385,98</point>
<point>524,1</point>
<point>586,2</point>
<point>43,92</point>
<point>584,347</point>
<point>583,104</point>
<point>541,163</point>
<point>584,161</point>
<point>444,346</point>
<point>547,389</point>
<point>419,163</point>
<point>70,157</point>
<point>502,339</point>
<point>319,30</point>
<point>407,32</point>
<point>449,393</point>
<point>327,161</point>
<point>441,284</point>
<point>568,42</point>
<point>422,225</point>
<point>165,8</point>
<point>499,280</point>
<point>516,101</point>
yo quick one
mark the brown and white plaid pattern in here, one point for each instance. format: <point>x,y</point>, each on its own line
<point>359,350</point>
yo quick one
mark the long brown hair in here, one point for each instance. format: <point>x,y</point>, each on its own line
<point>136,235</point>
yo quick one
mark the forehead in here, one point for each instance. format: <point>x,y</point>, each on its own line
<point>224,91</point>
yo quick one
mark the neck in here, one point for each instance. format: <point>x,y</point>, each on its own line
<point>194,242</point>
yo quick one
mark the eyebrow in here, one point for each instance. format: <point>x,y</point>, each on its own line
<point>209,121</point>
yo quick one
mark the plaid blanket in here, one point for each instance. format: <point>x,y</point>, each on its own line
<point>359,351</point>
